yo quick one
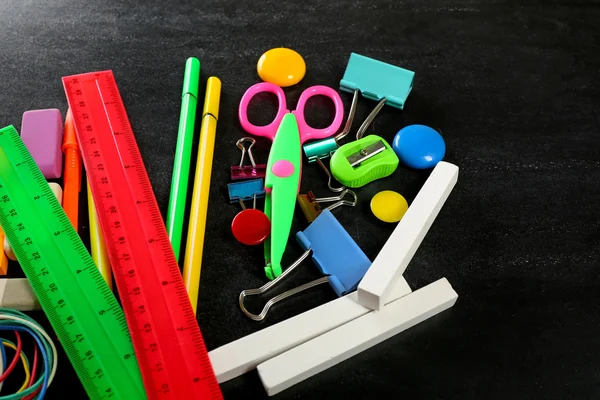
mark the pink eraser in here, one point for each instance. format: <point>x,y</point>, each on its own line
<point>41,131</point>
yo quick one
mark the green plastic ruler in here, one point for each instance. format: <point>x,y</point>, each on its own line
<point>83,311</point>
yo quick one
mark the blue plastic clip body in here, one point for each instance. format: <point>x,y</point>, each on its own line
<point>334,252</point>
<point>246,190</point>
<point>377,80</point>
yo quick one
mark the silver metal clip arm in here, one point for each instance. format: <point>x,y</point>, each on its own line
<point>350,119</point>
<point>339,200</point>
<point>329,177</point>
<point>240,145</point>
<point>369,119</point>
<point>279,297</point>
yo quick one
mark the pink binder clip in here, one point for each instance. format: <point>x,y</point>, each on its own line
<point>247,171</point>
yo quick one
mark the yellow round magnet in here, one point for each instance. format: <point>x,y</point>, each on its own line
<point>281,66</point>
<point>389,206</point>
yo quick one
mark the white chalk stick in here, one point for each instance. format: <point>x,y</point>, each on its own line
<point>16,293</point>
<point>337,345</point>
<point>57,190</point>
<point>243,355</point>
<point>392,260</point>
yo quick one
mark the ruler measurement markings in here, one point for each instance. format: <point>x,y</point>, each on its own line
<point>151,244</point>
<point>46,266</point>
<point>148,331</point>
<point>54,206</point>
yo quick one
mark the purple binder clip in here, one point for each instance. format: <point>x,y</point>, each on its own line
<point>242,171</point>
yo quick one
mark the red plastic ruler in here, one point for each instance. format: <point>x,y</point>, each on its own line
<point>166,336</point>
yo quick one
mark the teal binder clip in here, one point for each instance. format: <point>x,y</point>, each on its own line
<point>377,80</point>
<point>321,149</point>
<point>334,253</point>
<point>369,158</point>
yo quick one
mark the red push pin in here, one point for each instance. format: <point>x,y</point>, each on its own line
<point>251,226</point>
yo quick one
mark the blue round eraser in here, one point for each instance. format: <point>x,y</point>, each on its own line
<point>419,146</point>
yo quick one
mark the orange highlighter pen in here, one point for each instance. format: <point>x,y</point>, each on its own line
<point>72,173</point>
<point>3,257</point>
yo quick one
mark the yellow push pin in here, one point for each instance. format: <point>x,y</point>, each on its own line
<point>389,206</point>
<point>281,66</point>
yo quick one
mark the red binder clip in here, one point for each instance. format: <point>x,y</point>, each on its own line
<point>247,171</point>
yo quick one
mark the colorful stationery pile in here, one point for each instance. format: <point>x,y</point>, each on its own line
<point>152,346</point>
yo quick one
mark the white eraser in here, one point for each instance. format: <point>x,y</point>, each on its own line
<point>16,293</point>
<point>243,355</point>
<point>57,190</point>
<point>392,260</point>
<point>8,249</point>
<point>337,345</point>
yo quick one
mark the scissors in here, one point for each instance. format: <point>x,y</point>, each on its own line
<point>288,131</point>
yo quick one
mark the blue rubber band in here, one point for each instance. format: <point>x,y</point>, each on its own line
<point>43,350</point>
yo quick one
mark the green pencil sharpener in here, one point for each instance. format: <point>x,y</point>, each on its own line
<point>320,149</point>
<point>358,163</point>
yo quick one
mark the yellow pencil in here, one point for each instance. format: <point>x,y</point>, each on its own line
<point>99,254</point>
<point>192,262</point>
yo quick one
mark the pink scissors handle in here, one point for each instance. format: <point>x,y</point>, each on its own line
<point>269,130</point>
<point>306,131</point>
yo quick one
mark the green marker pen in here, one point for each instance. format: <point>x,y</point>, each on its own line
<point>183,153</point>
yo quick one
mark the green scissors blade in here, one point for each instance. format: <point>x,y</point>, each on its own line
<point>282,181</point>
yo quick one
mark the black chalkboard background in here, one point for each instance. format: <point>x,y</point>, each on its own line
<point>514,87</point>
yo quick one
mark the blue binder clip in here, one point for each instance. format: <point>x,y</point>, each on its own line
<point>247,190</point>
<point>334,252</point>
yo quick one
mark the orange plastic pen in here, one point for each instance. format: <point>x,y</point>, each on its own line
<point>3,257</point>
<point>72,173</point>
